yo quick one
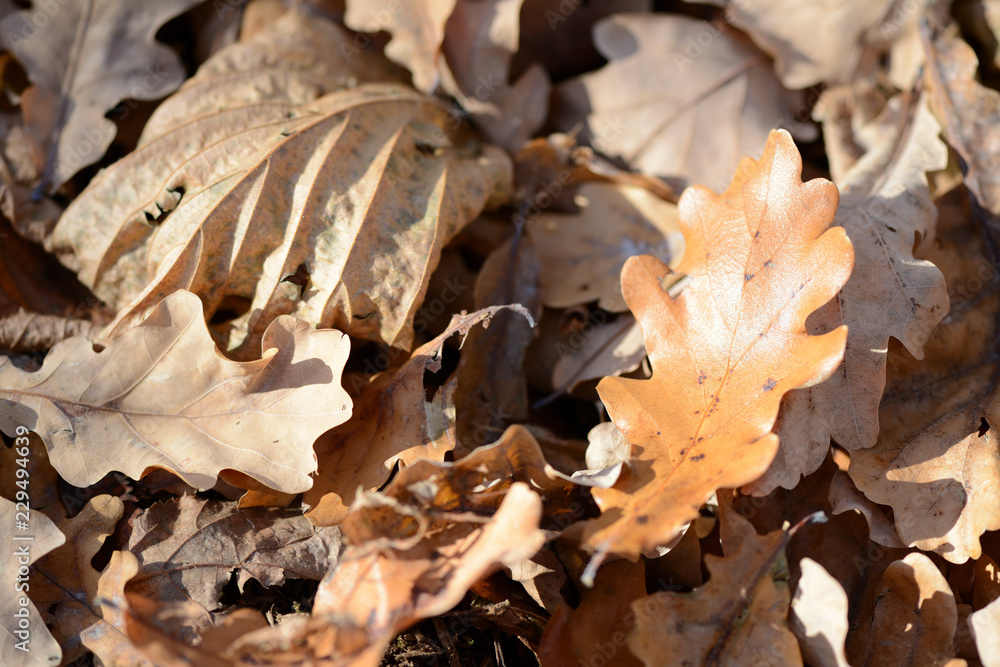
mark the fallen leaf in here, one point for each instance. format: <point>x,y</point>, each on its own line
<point>582,254</point>
<point>805,56</point>
<point>887,212</point>
<point>967,111</point>
<point>916,597</point>
<point>66,582</point>
<point>389,426</point>
<point>406,563</point>
<point>104,411</point>
<point>25,639</point>
<point>480,38</point>
<point>726,349</point>
<point>610,349</point>
<point>737,618</point>
<point>670,113</point>
<point>819,616</point>
<point>417,28</point>
<point>84,58</point>
<point>189,548</point>
<point>935,463</point>
<point>984,625</point>
<point>602,623</point>
<point>433,188</point>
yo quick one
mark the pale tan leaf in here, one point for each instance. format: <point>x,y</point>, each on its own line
<point>888,214</point>
<point>417,28</point>
<point>480,38</point>
<point>737,618</point>
<point>582,254</point>
<point>818,616</point>
<point>84,57</point>
<point>984,624</point>
<point>916,597</point>
<point>666,113</point>
<point>821,43</point>
<point>163,397</point>
<point>936,462</point>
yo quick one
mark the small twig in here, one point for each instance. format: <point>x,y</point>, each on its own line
<point>447,643</point>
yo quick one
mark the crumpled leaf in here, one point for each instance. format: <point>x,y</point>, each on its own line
<point>936,462</point>
<point>737,618</point>
<point>760,259</point>
<point>917,597</point>
<point>84,57</point>
<point>335,209</point>
<point>582,254</point>
<point>671,114</point>
<point>886,210</point>
<point>163,397</point>
<point>188,548</point>
<point>389,425</point>
<point>408,562</point>
<point>819,616</point>
<point>24,639</point>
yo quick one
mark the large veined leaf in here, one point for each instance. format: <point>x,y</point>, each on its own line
<point>333,210</point>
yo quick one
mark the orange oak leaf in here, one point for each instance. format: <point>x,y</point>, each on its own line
<point>725,350</point>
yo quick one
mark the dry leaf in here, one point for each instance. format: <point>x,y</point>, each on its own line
<point>610,349</point>
<point>936,463</point>
<point>984,624</point>
<point>670,111</point>
<point>84,57</point>
<point>345,256</point>
<point>968,111</point>
<point>389,426</point>
<point>805,56</point>
<point>480,38</point>
<point>819,616</point>
<point>582,254</point>
<point>163,397</point>
<point>408,563</point>
<point>886,210</point>
<point>917,598</point>
<point>417,28</point>
<point>737,618</point>
<point>760,260</point>
<point>66,582</point>
<point>188,549</point>
<point>601,624</point>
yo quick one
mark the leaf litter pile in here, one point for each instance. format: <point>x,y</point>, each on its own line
<point>499,332</point>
